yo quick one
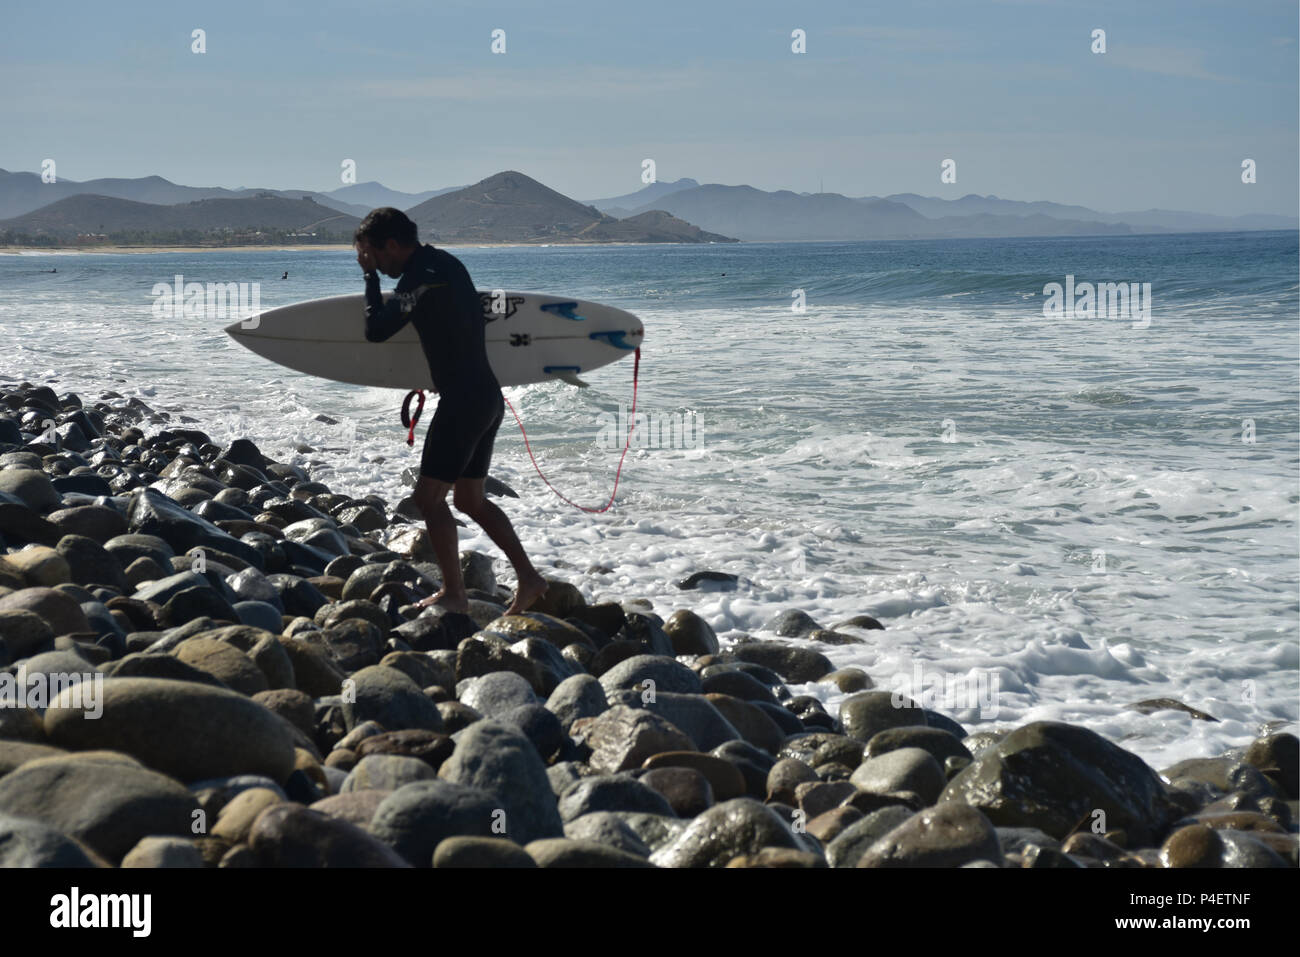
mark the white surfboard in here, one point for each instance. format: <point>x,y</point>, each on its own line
<point>531,337</point>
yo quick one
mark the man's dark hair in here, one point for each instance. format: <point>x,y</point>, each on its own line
<point>385,223</point>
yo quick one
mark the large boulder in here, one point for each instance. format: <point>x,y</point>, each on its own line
<point>108,804</point>
<point>504,763</point>
<point>187,730</point>
<point>1051,775</point>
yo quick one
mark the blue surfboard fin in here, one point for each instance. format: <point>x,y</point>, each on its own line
<point>565,309</point>
<point>567,374</point>
<point>614,338</point>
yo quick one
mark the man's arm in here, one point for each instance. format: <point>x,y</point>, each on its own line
<point>383,319</point>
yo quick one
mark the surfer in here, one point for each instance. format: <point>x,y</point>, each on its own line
<point>434,291</point>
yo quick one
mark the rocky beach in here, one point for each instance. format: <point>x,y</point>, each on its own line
<point>209,659</point>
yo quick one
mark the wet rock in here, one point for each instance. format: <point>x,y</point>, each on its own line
<point>690,634</point>
<point>733,828</point>
<point>792,623</point>
<point>665,673</point>
<point>903,769</point>
<point>1050,775</point>
<point>498,692</point>
<point>946,835</point>
<point>794,664</point>
<point>622,738</point>
<point>866,714</point>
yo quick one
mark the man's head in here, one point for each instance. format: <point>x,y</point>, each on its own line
<point>389,236</point>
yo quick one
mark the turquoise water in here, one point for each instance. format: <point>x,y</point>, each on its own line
<point>1065,507</point>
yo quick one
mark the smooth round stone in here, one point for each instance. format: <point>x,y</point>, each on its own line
<point>466,851</point>
<point>223,661</point>
<point>725,780</point>
<point>667,675</point>
<point>187,730</point>
<point>946,835</point>
<point>578,696</point>
<point>687,791</point>
<point>416,818</point>
<point>852,842</point>
<point>504,763</point>
<point>258,614</point>
<point>389,697</point>
<point>354,806</point>
<point>563,852</point>
<point>90,564</point>
<point>164,852</point>
<point>60,611</point>
<point>611,793</point>
<point>236,818</point>
<point>41,566</point>
<point>495,693</point>
<point>690,634</point>
<point>906,769</point>
<point>831,824</point>
<point>794,664</point>
<point>866,714</point>
<point>849,680</point>
<point>289,835</point>
<point>386,772</point>
<point>27,843</point>
<point>939,743</point>
<point>608,828</point>
<point>109,803</point>
<point>32,486</point>
<point>786,775</point>
<point>1279,753</point>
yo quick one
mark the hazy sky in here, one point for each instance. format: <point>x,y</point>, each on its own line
<point>586,90</point>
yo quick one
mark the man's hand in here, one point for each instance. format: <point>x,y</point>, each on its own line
<point>366,259</point>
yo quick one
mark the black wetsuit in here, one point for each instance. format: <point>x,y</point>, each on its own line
<point>436,293</point>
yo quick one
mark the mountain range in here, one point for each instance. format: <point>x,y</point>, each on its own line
<point>512,207</point>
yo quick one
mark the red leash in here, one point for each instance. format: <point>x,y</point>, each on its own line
<point>636,369</point>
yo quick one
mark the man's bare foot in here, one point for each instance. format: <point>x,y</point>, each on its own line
<point>441,599</point>
<point>528,591</point>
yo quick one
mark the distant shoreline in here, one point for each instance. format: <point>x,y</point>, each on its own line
<point>324,247</point>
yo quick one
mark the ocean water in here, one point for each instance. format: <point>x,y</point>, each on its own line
<point>1053,517</point>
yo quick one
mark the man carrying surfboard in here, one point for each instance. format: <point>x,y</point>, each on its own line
<point>435,293</point>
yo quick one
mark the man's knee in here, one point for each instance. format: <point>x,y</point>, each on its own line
<point>468,501</point>
<point>430,496</point>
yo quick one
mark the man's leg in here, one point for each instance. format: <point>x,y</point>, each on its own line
<point>470,499</point>
<point>431,499</point>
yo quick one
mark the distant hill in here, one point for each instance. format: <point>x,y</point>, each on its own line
<point>372,195</point>
<point>206,220</point>
<point>655,226</point>
<point>755,215</point>
<point>1144,220</point>
<point>24,192</point>
<point>512,207</point>
<point>620,205</point>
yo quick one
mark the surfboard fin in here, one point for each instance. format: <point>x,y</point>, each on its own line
<point>572,379</point>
